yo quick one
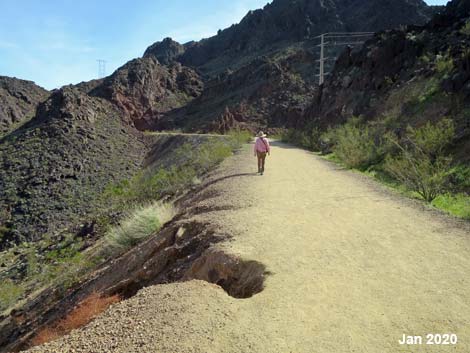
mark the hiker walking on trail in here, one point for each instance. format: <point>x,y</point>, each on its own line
<point>261,149</point>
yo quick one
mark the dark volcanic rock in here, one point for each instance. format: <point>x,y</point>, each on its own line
<point>235,95</point>
<point>54,169</point>
<point>18,102</point>
<point>263,93</point>
<point>144,89</point>
<point>287,21</point>
<point>401,77</point>
<point>165,51</point>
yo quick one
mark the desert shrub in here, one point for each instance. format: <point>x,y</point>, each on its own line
<point>355,144</point>
<point>420,173</point>
<point>308,138</point>
<point>327,140</point>
<point>137,226</point>
<point>425,58</point>
<point>432,138</point>
<point>465,30</point>
<point>287,135</point>
<point>156,183</point>
<point>460,178</point>
<point>240,136</point>
<point>9,294</point>
<point>420,163</point>
<point>444,64</point>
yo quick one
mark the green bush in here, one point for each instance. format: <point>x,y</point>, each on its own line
<point>444,64</point>
<point>458,205</point>
<point>308,138</point>
<point>460,178</point>
<point>420,163</point>
<point>428,177</point>
<point>466,29</point>
<point>9,294</point>
<point>355,144</point>
<point>241,136</point>
<point>156,183</point>
<point>432,139</point>
<point>137,226</point>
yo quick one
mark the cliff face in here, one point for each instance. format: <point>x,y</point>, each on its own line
<point>266,92</point>
<point>18,102</point>
<point>279,34</point>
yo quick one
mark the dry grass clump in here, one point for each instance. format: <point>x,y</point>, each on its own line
<point>138,225</point>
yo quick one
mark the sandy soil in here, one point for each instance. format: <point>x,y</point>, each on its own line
<point>353,268</point>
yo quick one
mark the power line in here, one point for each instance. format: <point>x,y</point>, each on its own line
<point>331,45</point>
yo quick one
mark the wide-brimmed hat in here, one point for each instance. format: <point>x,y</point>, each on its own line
<point>261,134</point>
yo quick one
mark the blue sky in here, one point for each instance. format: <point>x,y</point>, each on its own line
<point>57,42</point>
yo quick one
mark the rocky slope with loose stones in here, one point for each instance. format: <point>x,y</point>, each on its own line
<point>18,102</point>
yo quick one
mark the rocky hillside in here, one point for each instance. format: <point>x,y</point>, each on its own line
<point>402,77</point>
<point>143,89</point>
<point>285,22</point>
<point>53,170</point>
<point>267,92</point>
<point>263,68</point>
<point>18,102</point>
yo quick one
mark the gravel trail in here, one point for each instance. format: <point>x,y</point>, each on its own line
<point>352,268</point>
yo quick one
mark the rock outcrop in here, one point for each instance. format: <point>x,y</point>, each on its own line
<point>144,90</point>
<point>266,92</point>
<point>18,102</point>
<point>165,51</point>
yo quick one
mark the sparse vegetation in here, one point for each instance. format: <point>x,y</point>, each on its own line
<point>9,294</point>
<point>63,261</point>
<point>156,182</point>
<point>444,64</point>
<point>355,145</point>
<point>415,161</point>
<point>466,29</point>
<point>421,164</point>
<point>241,136</point>
<point>307,138</point>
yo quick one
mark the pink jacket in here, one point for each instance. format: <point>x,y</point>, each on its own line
<point>262,145</point>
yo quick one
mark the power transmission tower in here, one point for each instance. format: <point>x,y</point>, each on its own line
<point>332,44</point>
<point>101,68</point>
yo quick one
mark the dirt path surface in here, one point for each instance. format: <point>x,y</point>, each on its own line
<point>352,268</point>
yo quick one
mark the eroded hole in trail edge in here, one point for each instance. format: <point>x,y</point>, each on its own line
<point>239,278</point>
